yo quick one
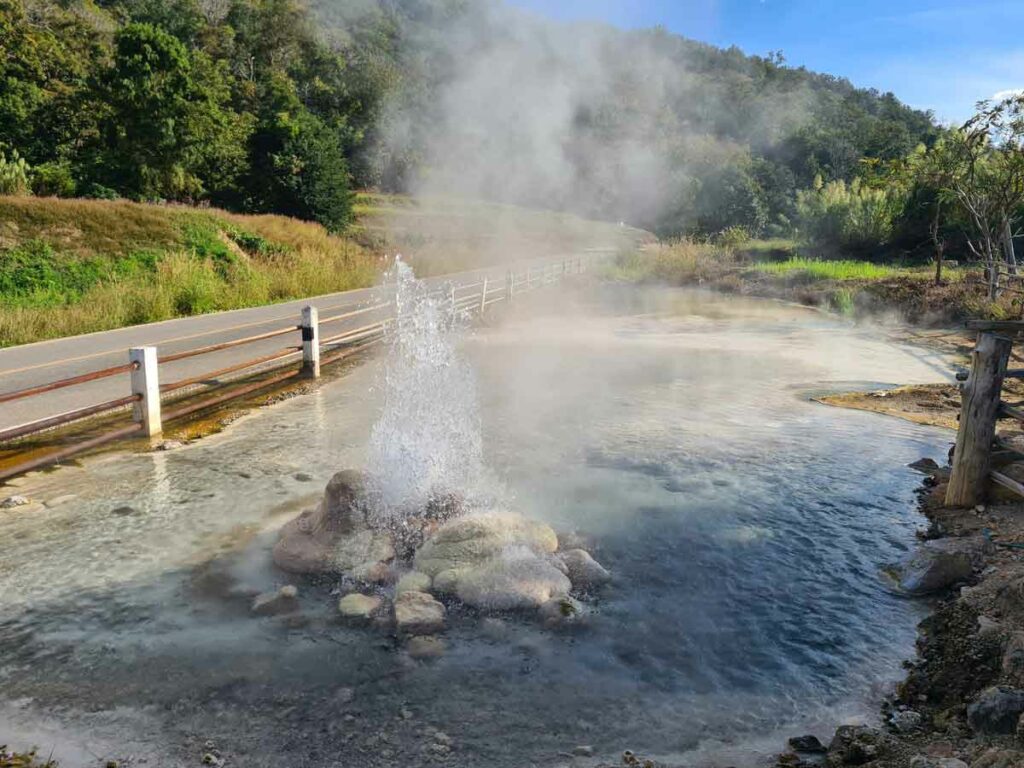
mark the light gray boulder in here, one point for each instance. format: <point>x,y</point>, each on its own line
<point>469,541</point>
<point>515,579</point>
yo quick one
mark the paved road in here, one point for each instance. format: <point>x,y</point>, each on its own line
<point>36,364</point>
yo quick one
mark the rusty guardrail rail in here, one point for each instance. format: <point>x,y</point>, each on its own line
<point>147,393</point>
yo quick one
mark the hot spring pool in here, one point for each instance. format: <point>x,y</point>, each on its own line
<point>744,526</point>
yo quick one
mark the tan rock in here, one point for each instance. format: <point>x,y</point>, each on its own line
<point>417,613</point>
<point>357,606</point>
<point>413,581</point>
<point>334,536</point>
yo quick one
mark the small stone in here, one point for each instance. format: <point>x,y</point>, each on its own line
<point>284,600</point>
<point>421,647</point>
<point>987,625</point>
<point>584,750</point>
<point>906,721</point>
<point>413,581</point>
<point>417,613</point>
<point>808,744</point>
<point>15,501</point>
<point>124,511</point>
<point>303,477</point>
<point>211,759</point>
<point>924,465</point>
<point>357,606</point>
<point>980,509</point>
<point>560,612</point>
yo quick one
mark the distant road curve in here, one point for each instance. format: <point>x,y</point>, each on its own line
<point>31,365</point>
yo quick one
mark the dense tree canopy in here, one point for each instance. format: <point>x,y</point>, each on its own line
<point>268,105</point>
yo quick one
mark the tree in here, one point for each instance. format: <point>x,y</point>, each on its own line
<point>984,174</point>
<point>298,165</point>
<point>168,131</point>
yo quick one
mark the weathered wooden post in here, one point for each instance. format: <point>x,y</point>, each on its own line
<point>310,326</point>
<point>146,384</point>
<point>510,285</point>
<point>978,414</point>
<point>483,296</point>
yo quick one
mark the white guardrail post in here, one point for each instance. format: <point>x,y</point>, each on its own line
<point>510,285</point>
<point>310,326</point>
<point>146,384</point>
<point>483,297</point>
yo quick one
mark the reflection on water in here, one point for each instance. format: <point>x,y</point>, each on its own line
<point>744,526</point>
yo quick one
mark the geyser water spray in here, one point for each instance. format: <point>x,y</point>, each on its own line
<point>426,442</point>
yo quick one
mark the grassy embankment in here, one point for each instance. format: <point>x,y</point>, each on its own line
<point>780,269</point>
<point>77,266</point>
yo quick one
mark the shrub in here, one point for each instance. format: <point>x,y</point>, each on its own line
<point>847,217</point>
<point>53,180</point>
<point>15,175</point>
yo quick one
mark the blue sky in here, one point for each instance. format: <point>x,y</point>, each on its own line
<point>942,55</point>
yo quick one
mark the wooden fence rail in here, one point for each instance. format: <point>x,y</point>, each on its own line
<point>144,363</point>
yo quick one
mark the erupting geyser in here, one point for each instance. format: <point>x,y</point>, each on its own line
<point>426,521</point>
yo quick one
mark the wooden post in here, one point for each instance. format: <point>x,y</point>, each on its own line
<point>483,296</point>
<point>978,414</point>
<point>510,285</point>
<point>146,384</point>
<point>310,326</point>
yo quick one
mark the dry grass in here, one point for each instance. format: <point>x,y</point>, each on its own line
<point>93,265</point>
<point>88,227</point>
<point>678,263</point>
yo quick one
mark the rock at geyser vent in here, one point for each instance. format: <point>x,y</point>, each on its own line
<point>495,561</point>
<point>335,536</point>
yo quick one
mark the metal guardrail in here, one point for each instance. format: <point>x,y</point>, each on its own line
<point>147,393</point>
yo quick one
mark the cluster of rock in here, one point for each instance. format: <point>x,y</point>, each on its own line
<point>403,573</point>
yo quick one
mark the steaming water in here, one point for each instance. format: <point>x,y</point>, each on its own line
<point>428,436</point>
<point>744,525</point>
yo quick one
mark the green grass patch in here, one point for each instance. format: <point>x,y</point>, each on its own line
<point>829,270</point>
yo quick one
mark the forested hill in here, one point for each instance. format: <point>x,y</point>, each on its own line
<point>267,105</point>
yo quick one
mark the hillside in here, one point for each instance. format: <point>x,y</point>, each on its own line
<point>268,107</point>
<point>76,266</point>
